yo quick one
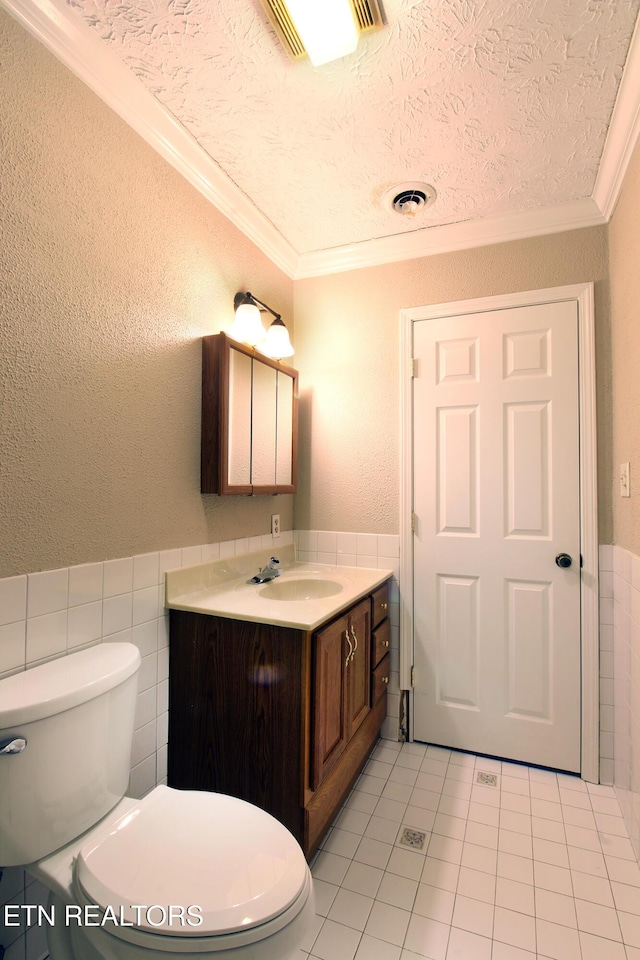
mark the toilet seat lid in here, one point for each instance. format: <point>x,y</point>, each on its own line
<point>190,849</point>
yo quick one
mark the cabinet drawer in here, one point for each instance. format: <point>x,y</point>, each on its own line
<point>380,680</point>
<point>380,604</point>
<point>381,642</point>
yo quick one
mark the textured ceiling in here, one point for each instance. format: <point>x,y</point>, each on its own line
<point>502,106</point>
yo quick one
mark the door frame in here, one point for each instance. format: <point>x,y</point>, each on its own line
<point>582,293</point>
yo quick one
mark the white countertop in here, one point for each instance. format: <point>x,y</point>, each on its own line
<point>219,588</point>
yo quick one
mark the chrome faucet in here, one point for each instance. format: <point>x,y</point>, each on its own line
<point>269,572</point>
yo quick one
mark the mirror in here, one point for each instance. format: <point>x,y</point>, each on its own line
<point>263,436</point>
<point>287,387</point>
<point>249,420</point>
<point>239,460</point>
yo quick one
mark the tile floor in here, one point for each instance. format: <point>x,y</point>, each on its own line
<point>537,866</point>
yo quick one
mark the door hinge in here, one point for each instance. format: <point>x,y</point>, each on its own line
<point>413,676</point>
<point>413,522</point>
<point>414,367</point>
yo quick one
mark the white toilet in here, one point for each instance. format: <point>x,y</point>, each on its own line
<point>178,872</point>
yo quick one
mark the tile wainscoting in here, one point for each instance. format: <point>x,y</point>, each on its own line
<point>620,681</point>
<point>50,614</point>
<point>53,613</point>
<point>57,612</point>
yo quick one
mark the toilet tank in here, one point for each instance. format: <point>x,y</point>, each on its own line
<point>76,715</point>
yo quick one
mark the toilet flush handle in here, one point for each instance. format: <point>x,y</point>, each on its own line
<point>15,745</point>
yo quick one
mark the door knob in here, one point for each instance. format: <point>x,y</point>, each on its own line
<point>12,745</point>
<point>564,560</point>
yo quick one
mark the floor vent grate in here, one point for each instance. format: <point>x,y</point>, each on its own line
<point>487,779</point>
<point>413,838</point>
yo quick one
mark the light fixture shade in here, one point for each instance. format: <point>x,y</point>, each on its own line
<point>277,344</point>
<point>328,29</point>
<point>247,326</point>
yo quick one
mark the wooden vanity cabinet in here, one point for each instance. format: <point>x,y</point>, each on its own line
<point>282,718</point>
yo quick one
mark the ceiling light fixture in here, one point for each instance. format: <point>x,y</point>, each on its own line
<point>327,33</point>
<point>248,328</point>
<point>323,30</point>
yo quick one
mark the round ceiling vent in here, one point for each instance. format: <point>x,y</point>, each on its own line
<point>409,199</point>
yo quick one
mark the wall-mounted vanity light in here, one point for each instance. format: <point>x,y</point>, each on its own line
<point>248,328</point>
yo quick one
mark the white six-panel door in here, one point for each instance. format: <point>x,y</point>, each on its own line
<point>496,499</point>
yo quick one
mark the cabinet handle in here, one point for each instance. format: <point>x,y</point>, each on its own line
<point>355,640</point>
<point>385,643</point>
<point>350,654</point>
<point>385,605</point>
<point>384,679</point>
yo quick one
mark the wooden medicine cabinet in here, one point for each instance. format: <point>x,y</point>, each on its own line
<point>249,421</point>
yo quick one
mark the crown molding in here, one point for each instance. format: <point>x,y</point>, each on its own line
<point>622,134</point>
<point>85,54</point>
<point>573,215</point>
<point>55,25</point>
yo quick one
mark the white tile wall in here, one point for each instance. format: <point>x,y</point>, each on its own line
<point>56,612</point>
<point>50,614</point>
<point>606,665</point>
<point>620,681</point>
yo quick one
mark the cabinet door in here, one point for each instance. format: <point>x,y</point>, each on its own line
<point>263,424</point>
<point>329,730</point>
<point>359,667</point>
<point>287,431</point>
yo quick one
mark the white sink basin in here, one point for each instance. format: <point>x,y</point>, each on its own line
<point>300,589</point>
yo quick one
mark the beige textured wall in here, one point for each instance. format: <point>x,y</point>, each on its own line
<point>111,269</point>
<point>624,246</point>
<point>347,351</point>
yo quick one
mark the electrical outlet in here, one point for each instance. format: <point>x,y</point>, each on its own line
<point>625,480</point>
<point>275,524</point>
